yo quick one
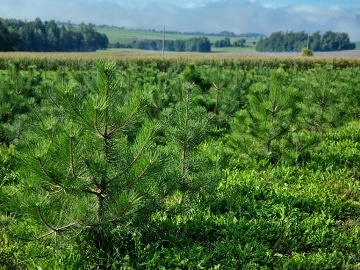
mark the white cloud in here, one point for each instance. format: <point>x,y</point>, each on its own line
<point>193,5</point>
<point>332,18</point>
<point>239,16</point>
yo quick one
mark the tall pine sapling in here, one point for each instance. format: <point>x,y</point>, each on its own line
<point>321,107</point>
<point>185,128</point>
<point>261,129</point>
<point>91,162</point>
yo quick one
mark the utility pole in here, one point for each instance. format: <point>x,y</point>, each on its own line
<point>163,42</point>
<point>308,41</point>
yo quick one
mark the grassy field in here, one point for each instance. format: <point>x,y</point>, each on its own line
<point>128,35</point>
<point>214,50</point>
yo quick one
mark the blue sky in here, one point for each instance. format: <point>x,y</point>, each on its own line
<point>239,16</point>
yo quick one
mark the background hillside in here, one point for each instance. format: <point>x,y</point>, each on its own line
<point>127,36</point>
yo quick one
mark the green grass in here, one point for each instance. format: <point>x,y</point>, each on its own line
<point>245,50</point>
<point>229,50</point>
<point>128,35</point>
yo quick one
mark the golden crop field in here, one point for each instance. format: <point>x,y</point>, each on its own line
<point>83,61</point>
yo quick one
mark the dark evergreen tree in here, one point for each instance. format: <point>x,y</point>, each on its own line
<point>47,36</point>
<point>290,41</point>
<point>90,164</point>
<point>315,41</point>
<point>240,43</point>
<point>53,36</point>
<point>223,43</point>
<point>203,45</point>
<point>8,39</point>
<point>92,39</point>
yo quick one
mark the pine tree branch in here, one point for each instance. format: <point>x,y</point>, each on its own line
<point>62,228</point>
<point>138,178</point>
<point>116,217</point>
<point>135,159</point>
<point>44,221</point>
<point>217,88</point>
<point>52,192</point>
<point>97,192</point>
<point>96,127</point>
<point>38,117</point>
<point>106,122</point>
<point>42,167</point>
<point>36,238</point>
<point>46,173</point>
<point>72,166</point>
<point>184,144</point>
<point>52,99</point>
<point>127,120</point>
<point>76,111</point>
<point>53,230</point>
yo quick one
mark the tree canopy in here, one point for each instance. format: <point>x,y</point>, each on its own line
<point>35,36</point>
<point>226,42</point>
<point>7,39</point>
<point>200,44</point>
<point>294,42</point>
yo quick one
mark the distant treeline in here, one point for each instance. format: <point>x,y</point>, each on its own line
<point>294,42</point>
<point>221,34</point>
<point>38,36</point>
<point>198,33</point>
<point>226,42</point>
<point>200,44</point>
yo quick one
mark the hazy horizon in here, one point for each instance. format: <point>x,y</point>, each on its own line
<point>255,16</point>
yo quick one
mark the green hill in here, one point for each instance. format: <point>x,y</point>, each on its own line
<point>122,35</point>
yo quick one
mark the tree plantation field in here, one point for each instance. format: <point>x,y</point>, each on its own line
<point>179,161</point>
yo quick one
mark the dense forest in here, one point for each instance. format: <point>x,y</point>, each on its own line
<point>200,44</point>
<point>159,163</point>
<point>38,36</point>
<point>226,42</point>
<point>294,42</point>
